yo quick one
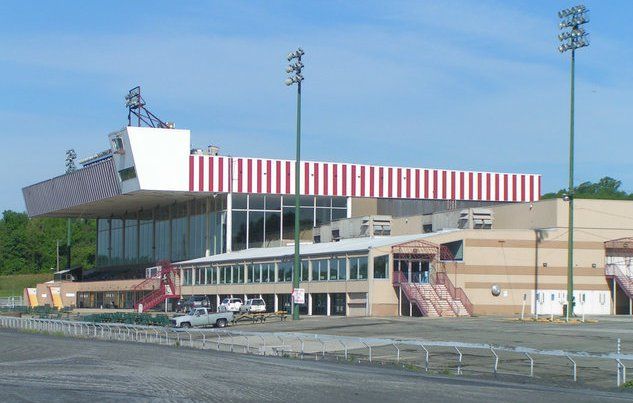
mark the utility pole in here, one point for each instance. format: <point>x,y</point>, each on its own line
<point>71,156</point>
<point>296,78</point>
<point>573,37</point>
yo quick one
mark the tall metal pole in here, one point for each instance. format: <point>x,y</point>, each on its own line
<point>570,237</point>
<point>573,37</point>
<point>296,276</point>
<point>296,78</point>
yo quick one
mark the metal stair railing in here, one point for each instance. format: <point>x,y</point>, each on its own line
<point>456,293</point>
<point>623,279</point>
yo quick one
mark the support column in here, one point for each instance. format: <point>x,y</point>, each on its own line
<point>217,301</point>
<point>229,222</point>
<point>309,304</point>
<point>615,297</point>
<point>399,301</point>
<point>329,303</point>
<point>410,309</point>
<point>276,303</point>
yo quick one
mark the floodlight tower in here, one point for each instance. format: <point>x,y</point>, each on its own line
<point>294,69</point>
<point>572,37</point>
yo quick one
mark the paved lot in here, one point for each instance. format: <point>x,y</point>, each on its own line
<point>598,336</point>
<point>45,368</point>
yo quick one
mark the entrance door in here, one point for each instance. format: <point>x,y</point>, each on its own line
<point>420,271</point>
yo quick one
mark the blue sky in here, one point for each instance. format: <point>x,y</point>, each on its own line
<point>446,84</point>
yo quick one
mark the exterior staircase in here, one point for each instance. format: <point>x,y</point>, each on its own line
<point>439,298</point>
<point>622,277</point>
<point>165,284</point>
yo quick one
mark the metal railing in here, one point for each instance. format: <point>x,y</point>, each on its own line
<point>423,355</point>
<point>11,302</point>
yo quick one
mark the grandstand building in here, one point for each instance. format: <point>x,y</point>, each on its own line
<point>379,240</point>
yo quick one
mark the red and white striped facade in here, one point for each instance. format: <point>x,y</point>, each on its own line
<point>223,174</point>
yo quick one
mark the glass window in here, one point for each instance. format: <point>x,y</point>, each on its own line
<point>305,270</point>
<point>273,229</point>
<point>146,235</point>
<point>256,202</point>
<point>116,241</point>
<point>256,229</point>
<point>381,266</point>
<point>239,230</point>
<point>255,273</point>
<point>322,216</point>
<point>131,238</point>
<point>319,270</point>
<point>103,242</point>
<point>186,277</point>
<point>358,268</point>
<point>454,250</point>
<point>273,202</point>
<point>337,269</point>
<point>284,271</point>
<point>338,213</point>
<point>239,201</point>
<point>210,279</point>
<point>162,233</point>
<point>179,232</point>
<point>339,202</point>
<point>268,272</point>
<point>238,274</point>
<point>322,201</point>
<point>306,221</point>
<point>337,303</point>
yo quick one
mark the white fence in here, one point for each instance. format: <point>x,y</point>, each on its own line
<point>423,355</point>
<point>11,302</point>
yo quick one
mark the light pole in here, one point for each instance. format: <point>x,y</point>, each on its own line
<point>573,37</point>
<point>294,69</point>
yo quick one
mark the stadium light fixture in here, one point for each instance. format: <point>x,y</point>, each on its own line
<point>573,37</point>
<point>294,69</point>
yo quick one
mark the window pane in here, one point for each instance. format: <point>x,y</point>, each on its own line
<point>322,201</point>
<point>306,221</point>
<point>305,273</point>
<point>273,229</point>
<point>339,202</point>
<point>342,269</point>
<point>381,266</point>
<point>322,216</point>
<point>273,202</point>
<point>338,213</point>
<point>362,268</point>
<point>239,201</point>
<point>256,229</point>
<point>353,268</point>
<point>256,202</point>
<point>239,230</point>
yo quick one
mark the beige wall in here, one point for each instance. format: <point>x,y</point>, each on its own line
<point>364,206</point>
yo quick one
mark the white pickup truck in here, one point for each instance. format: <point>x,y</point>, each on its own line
<point>199,317</point>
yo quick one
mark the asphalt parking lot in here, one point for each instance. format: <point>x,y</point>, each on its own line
<point>37,367</point>
<point>597,335</point>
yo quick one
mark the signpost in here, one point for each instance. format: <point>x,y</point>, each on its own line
<point>299,296</point>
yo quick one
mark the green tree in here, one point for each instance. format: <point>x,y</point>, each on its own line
<point>605,188</point>
<point>28,245</point>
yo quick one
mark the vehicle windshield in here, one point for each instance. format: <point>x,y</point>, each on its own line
<point>225,301</point>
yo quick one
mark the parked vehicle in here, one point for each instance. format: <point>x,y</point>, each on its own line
<point>255,305</point>
<point>194,301</point>
<point>199,317</point>
<point>230,304</point>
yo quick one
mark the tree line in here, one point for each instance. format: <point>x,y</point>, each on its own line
<point>28,245</point>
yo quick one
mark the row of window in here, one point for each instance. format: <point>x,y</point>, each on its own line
<point>336,269</point>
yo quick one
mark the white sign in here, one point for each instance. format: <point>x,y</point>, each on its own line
<point>70,294</point>
<point>299,295</point>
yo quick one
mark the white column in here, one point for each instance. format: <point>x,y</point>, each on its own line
<point>276,303</point>
<point>245,298</point>
<point>229,222</point>
<point>217,301</point>
<point>207,227</point>
<point>346,304</point>
<point>309,304</point>
<point>329,303</point>
<point>399,301</point>
<point>349,207</point>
